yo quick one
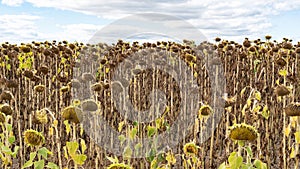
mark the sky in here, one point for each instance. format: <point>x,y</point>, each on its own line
<point>80,20</point>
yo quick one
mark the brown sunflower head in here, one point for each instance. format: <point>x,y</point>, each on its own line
<point>190,149</point>
<point>89,105</point>
<point>243,132</point>
<point>33,138</point>
<point>119,166</point>
<point>292,109</point>
<point>6,95</point>
<point>281,90</point>
<point>40,116</point>
<point>72,114</point>
<point>205,110</point>
<point>39,88</point>
<point>6,109</point>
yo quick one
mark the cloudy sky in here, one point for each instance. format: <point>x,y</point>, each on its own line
<point>79,20</point>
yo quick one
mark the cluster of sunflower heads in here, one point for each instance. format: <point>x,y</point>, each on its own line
<point>243,132</point>
<point>33,138</point>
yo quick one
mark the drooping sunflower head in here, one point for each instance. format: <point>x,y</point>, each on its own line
<point>205,110</point>
<point>6,95</point>
<point>119,166</point>
<point>40,117</point>
<point>89,105</point>
<point>292,109</point>
<point>39,88</point>
<point>72,114</point>
<point>64,89</point>
<point>243,132</point>
<point>6,109</point>
<point>282,90</point>
<point>190,149</point>
<point>33,138</point>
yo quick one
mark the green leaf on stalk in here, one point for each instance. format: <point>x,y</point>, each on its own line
<point>39,164</point>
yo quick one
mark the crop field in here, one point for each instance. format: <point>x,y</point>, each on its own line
<point>52,91</point>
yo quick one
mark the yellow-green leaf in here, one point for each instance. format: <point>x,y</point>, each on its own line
<point>127,153</point>
<point>120,126</point>
<point>283,72</point>
<point>79,158</point>
<point>72,147</point>
<point>68,127</point>
<point>293,153</point>
<point>258,96</point>
<point>297,137</point>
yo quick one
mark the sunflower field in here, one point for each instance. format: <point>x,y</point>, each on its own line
<point>44,100</point>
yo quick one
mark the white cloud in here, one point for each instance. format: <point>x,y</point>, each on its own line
<point>214,18</point>
<point>23,28</point>
<point>18,27</point>
<point>12,2</point>
<point>73,32</point>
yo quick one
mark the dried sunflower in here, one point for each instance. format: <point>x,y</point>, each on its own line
<point>64,89</point>
<point>6,109</point>
<point>282,90</point>
<point>72,114</point>
<point>292,109</point>
<point>40,117</point>
<point>190,149</point>
<point>97,87</point>
<point>119,166</point>
<point>243,132</point>
<point>39,88</point>
<point>28,74</point>
<point>33,138</point>
<point>6,95</point>
<point>205,110</point>
<point>89,105</point>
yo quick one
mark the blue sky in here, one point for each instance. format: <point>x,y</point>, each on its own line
<point>79,20</point>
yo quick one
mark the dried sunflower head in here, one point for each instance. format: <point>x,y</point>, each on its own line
<point>28,74</point>
<point>280,61</point>
<point>205,110</point>
<point>64,89</point>
<point>87,77</point>
<point>44,69</point>
<point>89,105</point>
<point>33,138</point>
<point>40,116</point>
<point>74,84</point>
<point>243,132</point>
<point>292,109</point>
<point>97,86</point>
<point>6,95</point>
<point>282,90</point>
<point>190,149</point>
<point>39,88</point>
<point>72,114</point>
<point>6,109</point>
<point>119,166</point>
